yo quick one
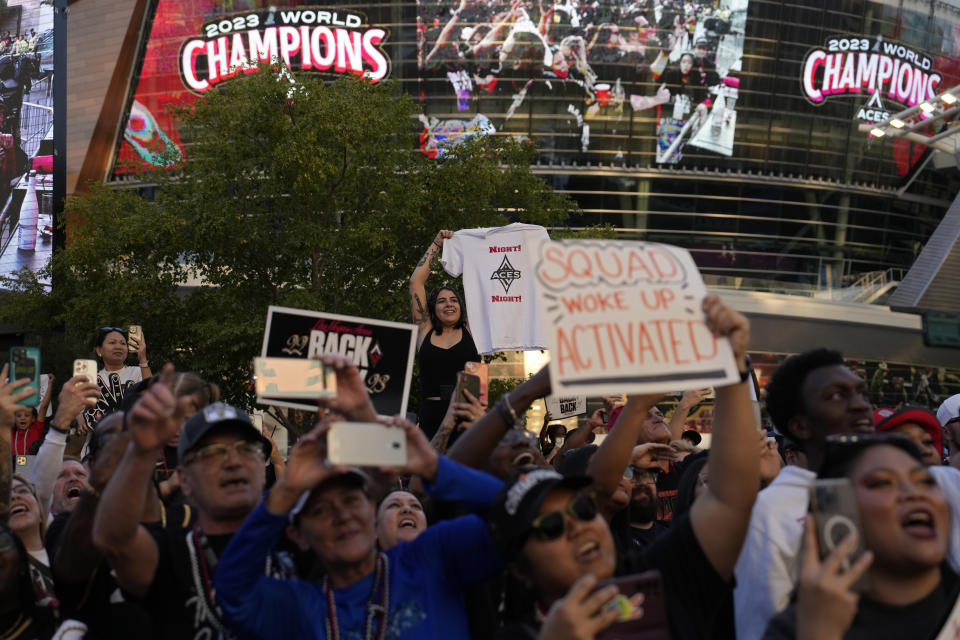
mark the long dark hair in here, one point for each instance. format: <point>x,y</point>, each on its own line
<point>432,309</point>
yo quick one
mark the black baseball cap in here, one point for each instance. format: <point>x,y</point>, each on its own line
<point>693,436</point>
<point>219,416</point>
<point>518,503</point>
<point>353,477</point>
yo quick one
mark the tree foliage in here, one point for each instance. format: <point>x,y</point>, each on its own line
<point>307,194</point>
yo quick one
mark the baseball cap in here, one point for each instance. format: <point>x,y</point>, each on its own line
<point>949,410</point>
<point>518,503</point>
<point>693,436</point>
<point>921,417</point>
<point>218,415</point>
<point>352,477</point>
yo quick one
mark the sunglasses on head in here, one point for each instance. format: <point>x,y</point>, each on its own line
<point>551,526</point>
<point>117,329</point>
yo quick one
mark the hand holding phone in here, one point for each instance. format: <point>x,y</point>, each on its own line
<point>641,606</point>
<point>134,338</point>
<point>286,378</point>
<point>25,363</point>
<point>466,382</point>
<point>833,507</point>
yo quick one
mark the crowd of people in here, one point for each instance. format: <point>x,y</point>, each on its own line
<point>587,59</point>
<point>19,44</point>
<point>180,519</point>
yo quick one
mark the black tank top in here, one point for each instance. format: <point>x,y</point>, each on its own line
<point>439,367</point>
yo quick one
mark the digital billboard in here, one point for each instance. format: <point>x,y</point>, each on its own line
<point>195,45</point>
<point>26,135</point>
<point>581,77</point>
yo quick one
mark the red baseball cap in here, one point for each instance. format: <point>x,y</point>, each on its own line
<point>921,417</point>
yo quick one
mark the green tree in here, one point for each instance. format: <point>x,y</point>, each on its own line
<point>293,192</point>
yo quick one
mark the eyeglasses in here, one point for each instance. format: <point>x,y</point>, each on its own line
<point>217,453</point>
<point>551,526</point>
<point>641,476</point>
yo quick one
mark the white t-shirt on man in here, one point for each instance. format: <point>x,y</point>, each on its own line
<point>497,265</point>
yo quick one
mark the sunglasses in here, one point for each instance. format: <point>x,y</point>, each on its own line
<point>551,526</point>
<point>117,329</point>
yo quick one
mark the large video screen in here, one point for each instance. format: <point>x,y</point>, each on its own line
<point>594,77</point>
<point>195,45</point>
<point>26,136</point>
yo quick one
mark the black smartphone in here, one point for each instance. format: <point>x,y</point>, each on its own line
<point>643,608</point>
<point>833,505</point>
<point>467,382</point>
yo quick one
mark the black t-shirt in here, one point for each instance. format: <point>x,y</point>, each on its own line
<point>699,601</point>
<point>875,621</point>
<point>179,601</point>
<point>36,625</point>
<point>667,484</point>
<point>643,538</point>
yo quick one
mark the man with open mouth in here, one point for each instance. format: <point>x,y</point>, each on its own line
<point>221,460</point>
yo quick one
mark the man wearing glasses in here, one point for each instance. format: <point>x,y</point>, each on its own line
<point>644,526</point>
<point>222,460</point>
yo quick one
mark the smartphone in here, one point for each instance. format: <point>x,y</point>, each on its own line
<point>467,382</point>
<point>643,608</point>
<point>482,371</point>
<point>257,419</point>
<point>25,363</point>
<point>134,332</point>
<point>283,378</point>
<point>833,505</point>
<point>366,444</point>
<point>86,368</point>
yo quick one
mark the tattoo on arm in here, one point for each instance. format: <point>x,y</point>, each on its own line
<point>430,252</point>
<point>420,315</point>
<point>442,437</point>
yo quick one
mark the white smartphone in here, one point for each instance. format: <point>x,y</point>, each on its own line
<point>257,419</point>
<point>366,444</point>
<point>284,378</point>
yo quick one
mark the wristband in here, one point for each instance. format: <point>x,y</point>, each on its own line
<point>510,416</point>
<point>59,430</point>
<point>744,375</point>
<point>144,365</point>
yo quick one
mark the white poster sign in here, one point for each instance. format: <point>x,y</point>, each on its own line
<point>627,316</point>
<point>566,406</point>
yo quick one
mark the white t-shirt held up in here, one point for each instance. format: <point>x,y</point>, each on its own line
<point>497,264</point>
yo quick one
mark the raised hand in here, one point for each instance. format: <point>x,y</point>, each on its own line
<point>155,418</point>
<point>582,613</point>
<point>10,394</point>
<point>421,457</point>
<point>693,397</point>
<point>352,399</point>
<point>724,322</point>
<point>469,412</point>
<point>826,604</point>
<point>648,454</point>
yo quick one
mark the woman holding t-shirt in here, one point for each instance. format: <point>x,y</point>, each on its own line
<point>115,378</point>
<point>443,339</point>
